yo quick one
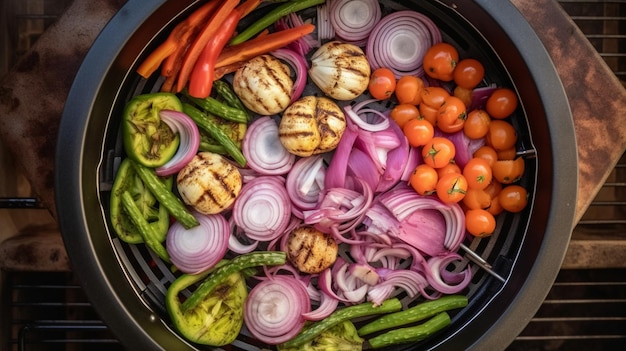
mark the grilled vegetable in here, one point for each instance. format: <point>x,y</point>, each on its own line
<point>341,337</point>
<point>209,183</point>
<point>147,139</point>
<point>213,314</point>
<point>310,250</point>
<point>126,180</point>
<point>311,125</point>
<point>411,334</point>
<point>264,85</point>
<point>340,70</point>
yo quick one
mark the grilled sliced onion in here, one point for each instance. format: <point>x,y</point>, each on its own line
<point>304,183</point>
<point>274,309</point>
<point>263,150</point>
<point>400,40</point>
<point>263,209</point>
<point>201,247</point>
<point>353,20</point>
<point>189,136</point>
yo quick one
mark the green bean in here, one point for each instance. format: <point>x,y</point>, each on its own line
<point>226,92</point>
<point>411,334</point>
<point>215,132</point>
<point>413,314</point>
<point>143,227</point>
<point>216,149</point>
<point>269,19</point>
<point>308,333</point>
<point>165,196</point>
<point>218,108</point>
<point>237,264</point>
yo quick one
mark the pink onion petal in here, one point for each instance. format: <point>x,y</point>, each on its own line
<point>263,209</point>
<point>263,150</point>
<point>437,264</point>
<point>189,136</point>
<point>396,161</point>
<point>199,248</point>
<point>305,181</point>
<point>325,283</point>
<point>363,122</point>
<point>338,166</point>
<point>274,307</point>
<point>328,305</point>
<point>299,65</point>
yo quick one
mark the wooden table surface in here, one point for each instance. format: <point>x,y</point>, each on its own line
<point>33,93</point>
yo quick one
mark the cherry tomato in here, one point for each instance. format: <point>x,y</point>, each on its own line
<point>480,223</point>
<point>476,124</point>
<point>501,103</point>
<point>508,171</point>
<point>478,173</point>
<point>476,199</point>
<point>418,131</point>
<point>468,73</point>
<point>451,188</point>
<point>409,90</point>
<point>428,113</point>
<point>440,60</point>
<point>513,198</point>
<point>507,154</point>
<point>382,83</point>
<point>424,179</point>
<point>438,152</point>
<point>495,208</point>
<point>501,135</point>
<point>449,168</point>
<point>402,113</point>
<point>464,94</point>
<point>434,96</point>
<point>452,115</point>
<point>493,189</point>
<point>487,153</point>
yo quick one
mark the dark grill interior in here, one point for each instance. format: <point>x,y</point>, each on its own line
<point>584,310</point>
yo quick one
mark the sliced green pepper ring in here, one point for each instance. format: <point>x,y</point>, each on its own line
<point>156,215</point>
<point>147,139</point>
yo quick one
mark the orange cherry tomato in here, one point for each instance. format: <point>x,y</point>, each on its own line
<point>452,115</point>
<point>434,96</point>
<point>508,171</point>
<point>501,103</point>
<point>428,113</point>
<point>440,60</point>
<point>409,90</point>
<point>478,173</point>
<point>495,208</point>
<point>451,188</point>
<point>424,179</point>
<point>476,199</point>
<point>402,113</point>
<point>501,135</point>
<point>438,152</point>
<point>382,83</point>
<point>480,222</point>
<point>464,94</point>
<point>487,153</point>
<point>507,154</point>
<point>513,198</point>
<point>449,168</point>
<point>476,124</point>
<point>493,189</point>
<point>468,73</point>
<point>418,131</point>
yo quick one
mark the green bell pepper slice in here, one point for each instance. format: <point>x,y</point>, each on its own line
<point>147,139</point>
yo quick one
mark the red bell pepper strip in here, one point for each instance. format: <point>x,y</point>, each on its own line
<point>203,74</point>
<point>211,28</point>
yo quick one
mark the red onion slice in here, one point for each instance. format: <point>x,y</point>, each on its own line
<point>353,20</point>
<point>304,183</point>
<point>299,65</point>
<point>264,151</point>
<point>201,247</point>
<point>189,136</point>
<point>263,208</point>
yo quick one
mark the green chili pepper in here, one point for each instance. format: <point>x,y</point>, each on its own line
<point>267,20</point>
<point>227,93</point>
<point>213,314</point>
<point>411,334</point>
<point>218,108</point>
<point>143,227</point>
<point>415,313</point>
<point>310,331</point>
<point>147,139</point>
<point>127,180</point>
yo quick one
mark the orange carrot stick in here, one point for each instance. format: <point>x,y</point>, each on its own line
<point>192,25</point>
<point>211,27</point>
<point>174,40</point>
<point>262,45</point>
